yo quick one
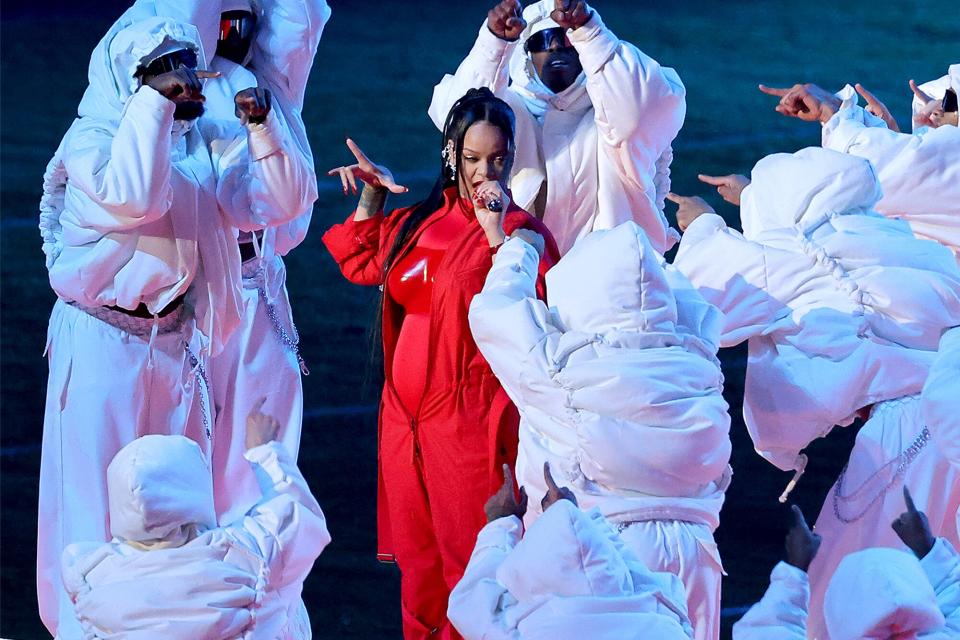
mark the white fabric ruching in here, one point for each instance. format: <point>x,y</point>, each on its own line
<point>919,173</point>
<point>570,577</point>
<point>601,147</point>
<point>171,572</point>
<point>619,389</point>
<point>940,398</point>
<point>842,307</point>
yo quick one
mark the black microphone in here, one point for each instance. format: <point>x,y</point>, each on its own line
<point>495,205</point>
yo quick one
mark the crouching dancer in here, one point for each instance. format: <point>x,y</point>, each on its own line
<point>570,577</point>
<point>171,572</point>
<point>879,593</point>
<point>619,389</point>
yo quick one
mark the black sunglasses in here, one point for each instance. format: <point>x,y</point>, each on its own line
<point>554,38</point>
<point>170,62</point>
<point>949,104</point>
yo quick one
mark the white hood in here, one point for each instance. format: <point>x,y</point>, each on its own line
<point>629,364</point>
<point>115,59</point>
<point>804,189</point>
<point>611,282</point>
<point>524,77</point>
<point>571,567</point>
<point>161,491</point>
<point>889,593</point>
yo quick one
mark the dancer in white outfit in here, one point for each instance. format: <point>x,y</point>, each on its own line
<point>843,309</point>
<point>138,223</point>
<point>569,577</point>
<point>271,45</point>
<point>919,173</point>
<point>879,593</point>
<point>620,390</point>
<point>595,117</point>
<point>170,572</point>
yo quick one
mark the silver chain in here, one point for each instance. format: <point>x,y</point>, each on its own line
<point>904,458</point>
<point>291,342</point>
<point>200,373</point>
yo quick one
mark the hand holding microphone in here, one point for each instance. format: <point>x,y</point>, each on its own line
<point>490,202</point>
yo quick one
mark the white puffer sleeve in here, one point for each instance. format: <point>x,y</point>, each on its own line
<point>919,174</point>
<point>287,527</point>
<point>942,566</point>
<point>782,612</point>
<point>514,330</point>
<point>477,604</point>
<point>730,272</point>
<point>126,170</point>
<point>265,180</point>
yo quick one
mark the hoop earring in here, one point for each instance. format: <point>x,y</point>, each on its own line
<point>447,155</point>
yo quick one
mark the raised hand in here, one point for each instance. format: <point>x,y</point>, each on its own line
<point>931,114</point>
<point>252,105</point>
<point>913,528</point>
<point>571,14</point>
<point>807,102</point>
<point>506,20</point>
<point>261,428</point>
<point>503,503</point>
<point>181,84</point>
<point>554,493</point>
<point>689,208</point>
<point>729,187</point>
<point>369,173</point>
<point>491,221</point>
<point>877,108</point>
<point>532,238</point>
<point>801,543</point>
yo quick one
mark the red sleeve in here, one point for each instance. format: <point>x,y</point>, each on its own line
<point>360,248</point>
<point>551,254</point>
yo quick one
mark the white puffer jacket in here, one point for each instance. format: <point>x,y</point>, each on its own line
<point>170,572</point>
<point>843,307</point>
<point>617,383</point>
<point>602,146</point>
<point>569,578</point>
<point>148,209</point>
<point>919,173</point>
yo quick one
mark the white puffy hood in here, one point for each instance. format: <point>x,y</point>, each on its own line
<point>611,282</point>
<point>889,593</point>
<point>161,491</point>
<point>633,365</point>
<point>571,567</point>
<point>804,189</point>
<point>130,41</point>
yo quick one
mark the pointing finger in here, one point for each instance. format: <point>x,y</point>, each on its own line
<point>202,73</point>
<point>869,97</point>
<point>911,507</point>
<point>917,91</point>
<point>548,477</point>
<point>797,517</point>
<point>772,91</point>
<point>357,153</point>
<point>717,181</point>
<point>672,197</point>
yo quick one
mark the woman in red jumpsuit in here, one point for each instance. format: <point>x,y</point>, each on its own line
<point>446,425</point>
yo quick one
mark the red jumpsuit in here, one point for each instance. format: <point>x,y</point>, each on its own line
<point>446,425</point>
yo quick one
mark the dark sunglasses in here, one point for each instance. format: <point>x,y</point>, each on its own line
<point>170,62</point>
<point>237,26</point>
<point>555,38</point>
<point>949,104</point>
